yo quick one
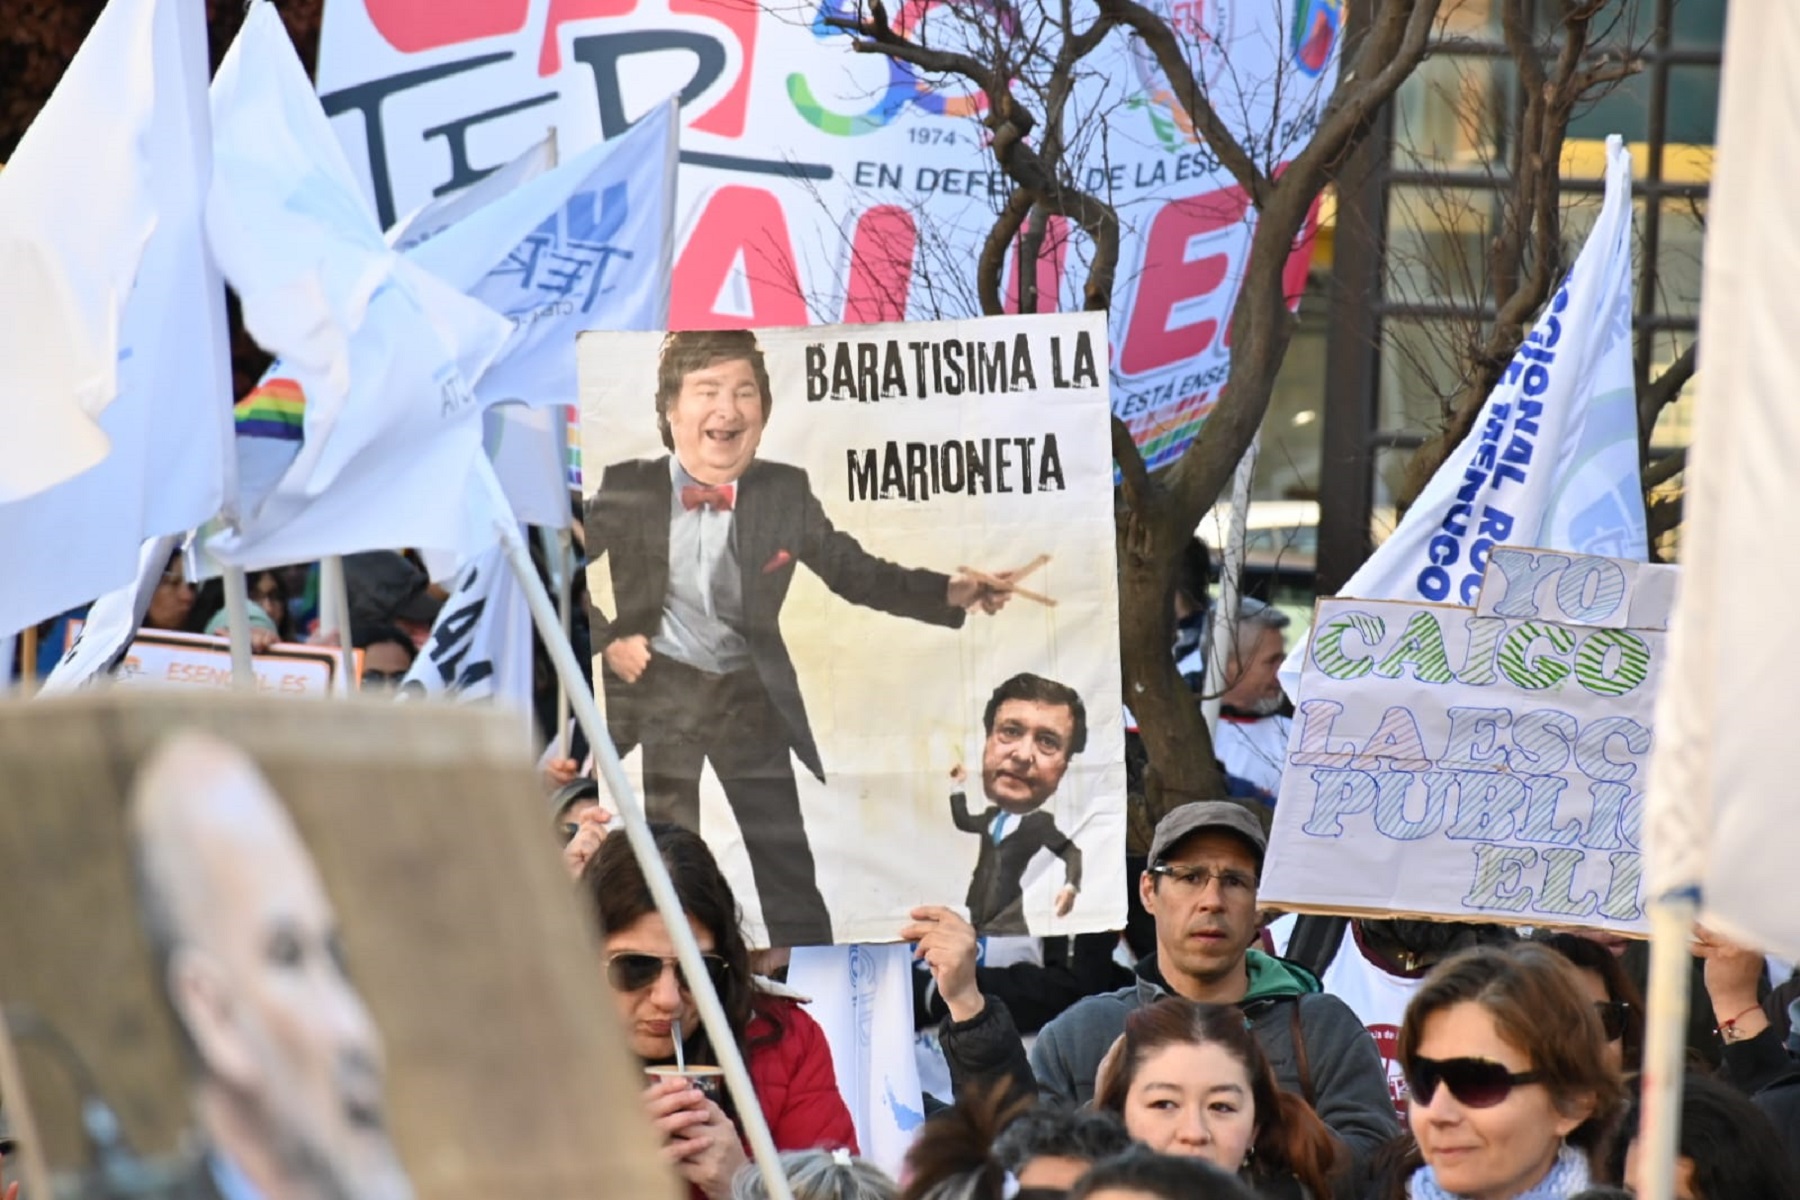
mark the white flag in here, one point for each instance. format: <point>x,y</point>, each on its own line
<point>529,448</point>
<point>112,622</point>
<point>589,245</point>
<point>480,647</point>
<point>1552,460</point>
<point>862,997</point>
<point>76,211</point>
<point>439,214</point>
<point>1719,816</point>
<point>379,356</point>
<point>595,252</point>
<point>115,399</point>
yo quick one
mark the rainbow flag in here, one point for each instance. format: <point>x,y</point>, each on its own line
<point>275,408</point>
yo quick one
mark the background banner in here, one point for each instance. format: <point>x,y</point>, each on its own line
<point>818,184</point>
<point>897,466</point>
<point>1480,763</point>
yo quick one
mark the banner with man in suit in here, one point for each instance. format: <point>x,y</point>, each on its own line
<point>830,546</point>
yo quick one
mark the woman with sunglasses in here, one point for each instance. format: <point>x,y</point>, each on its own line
<point>1615,998</point>
<point>1190,1080</point>
<point>1511,1090</point>
<point>788,1058</point>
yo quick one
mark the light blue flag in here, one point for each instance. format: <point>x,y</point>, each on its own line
<point>1552,460</point>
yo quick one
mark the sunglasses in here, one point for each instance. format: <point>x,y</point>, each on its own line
<point>634,972</point>
<point>1612,1017</point>
<point>1475,1082</point>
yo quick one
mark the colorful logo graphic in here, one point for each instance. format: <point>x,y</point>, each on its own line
<point>904,87</point>
<point>1203,29</point>
<point>1316,25</point>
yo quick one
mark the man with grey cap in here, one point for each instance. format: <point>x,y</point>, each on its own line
<point>1205,862</point>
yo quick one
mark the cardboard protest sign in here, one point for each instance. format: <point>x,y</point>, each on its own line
<point>327,949</point>
<point>1480,763</point>
<point>868,602</point>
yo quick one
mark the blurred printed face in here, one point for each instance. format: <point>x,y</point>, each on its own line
<point>1027,753</point>
<point>716,421</point>
<point>1492,1153</point>
<point>1205,907</point>
<point>1194,1101</point>
<point>258,974</point>
<point>653,1014</point>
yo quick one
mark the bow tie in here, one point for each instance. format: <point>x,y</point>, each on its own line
<point>716,498</point>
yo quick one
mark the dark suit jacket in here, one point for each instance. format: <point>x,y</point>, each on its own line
<point>777,523</point>
<point>996,891</point>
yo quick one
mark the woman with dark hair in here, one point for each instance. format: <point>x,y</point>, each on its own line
<point>1729,1149</point>
<point>266,592</point>
<point>1139,1174</point>
<point>789,1061</point>
<point>1510,1087</point>
<point>1191,1080</point>
<point>1616,999</point>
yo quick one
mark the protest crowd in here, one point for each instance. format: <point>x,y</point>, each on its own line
<point>1185,1057</point>
<point>1273,992</point>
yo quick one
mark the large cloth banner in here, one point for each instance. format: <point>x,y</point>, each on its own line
<point>1483,763</point>
<point>868,601</point>
<point>819,184</point>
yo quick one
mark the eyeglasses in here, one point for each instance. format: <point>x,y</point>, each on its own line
<point>1612,1017</point>
<point>1195,879</point>
<point>631,972</point>
<point>382,677</point>
<point>1475,1082</point>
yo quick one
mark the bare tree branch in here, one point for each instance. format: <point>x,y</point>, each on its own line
<point>1663,514</point>
<point>1526,257</point>
<point>1131,466</point>
<point>1664,391</point>
<point>1665,468</point>
<point>1156,34</point>
<point>990,268</point>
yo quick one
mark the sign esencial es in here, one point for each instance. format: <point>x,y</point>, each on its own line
<point>1481,763</point>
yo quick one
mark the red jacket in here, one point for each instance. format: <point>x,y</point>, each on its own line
<point>796,1085</point>
<point>795,1082</point>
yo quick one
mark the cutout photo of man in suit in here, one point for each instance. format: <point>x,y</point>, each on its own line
<point>703,544</point>
<point>1034,725</point>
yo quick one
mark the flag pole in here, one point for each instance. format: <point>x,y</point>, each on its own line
<point>1225,612</point>
<point>559,552</point>
<point>334,597</point>
<point>1665,1040</point>
<point>637,832</point>
<point>237,616</point>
